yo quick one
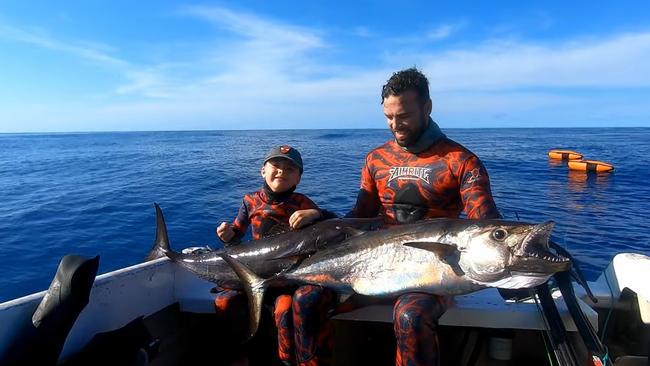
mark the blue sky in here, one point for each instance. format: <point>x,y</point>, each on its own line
<point>171,65</point>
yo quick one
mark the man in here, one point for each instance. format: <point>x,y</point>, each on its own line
<point>419,174</point>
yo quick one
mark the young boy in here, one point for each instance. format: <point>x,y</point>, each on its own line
<point>275,203</point>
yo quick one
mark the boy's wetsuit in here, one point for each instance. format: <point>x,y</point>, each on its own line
<point>437,178</point>
<point>263,210</point>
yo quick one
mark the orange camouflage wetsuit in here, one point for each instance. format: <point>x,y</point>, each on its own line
<point>439,179</point>
<point>262,210</point>
<point>442,179</point>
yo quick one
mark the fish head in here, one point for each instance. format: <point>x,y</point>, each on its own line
<point>506,254</point>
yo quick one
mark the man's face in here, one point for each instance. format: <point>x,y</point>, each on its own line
<point>407,117</point>
<point>280,174</point>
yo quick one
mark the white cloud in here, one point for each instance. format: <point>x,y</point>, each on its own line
<point>258,29</point>
<point>618,61</point>
<point>363,32</point>
<point>258,55</point>
<point>86,50</point>
<point>444,31</point>
<point>441,32</point>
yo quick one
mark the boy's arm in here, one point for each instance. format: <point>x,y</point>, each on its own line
<point>308,213</point>
<point>239,226</point>
<point>323,213</point>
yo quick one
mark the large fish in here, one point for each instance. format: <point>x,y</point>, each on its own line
<point>267,256</point>
<point>437,256</point>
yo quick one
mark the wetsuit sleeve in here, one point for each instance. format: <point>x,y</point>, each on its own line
<point>240,224</point>
<point>306,203</point>
<point>367,204</point>
<point>326,215</point>
<point>475,191</point>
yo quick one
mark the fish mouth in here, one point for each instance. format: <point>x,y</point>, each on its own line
<point>533,256</point>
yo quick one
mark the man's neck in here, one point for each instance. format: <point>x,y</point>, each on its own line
<point>430,135</point>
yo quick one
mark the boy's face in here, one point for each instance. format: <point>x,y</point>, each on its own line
<point>280,174</point>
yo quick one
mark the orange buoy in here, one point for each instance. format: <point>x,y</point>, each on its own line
<point>590,166</point>
<point>564,155</point>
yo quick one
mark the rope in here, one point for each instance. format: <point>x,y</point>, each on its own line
<point>611,308</point>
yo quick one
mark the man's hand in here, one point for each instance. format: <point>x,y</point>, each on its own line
<point>225,232</point>
<point>302,218</point>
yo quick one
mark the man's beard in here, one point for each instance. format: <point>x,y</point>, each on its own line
<point>412,136</point>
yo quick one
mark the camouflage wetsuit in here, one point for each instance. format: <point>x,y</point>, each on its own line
<point>440,179</point>
<point>262,211</point>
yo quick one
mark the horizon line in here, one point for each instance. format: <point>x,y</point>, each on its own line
<point>315,129</point>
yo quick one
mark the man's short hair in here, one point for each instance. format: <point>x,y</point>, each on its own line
<point>405,80</point>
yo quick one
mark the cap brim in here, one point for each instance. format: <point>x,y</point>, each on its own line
<point>282,156</point>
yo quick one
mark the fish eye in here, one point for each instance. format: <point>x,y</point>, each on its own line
<point>499,234</point>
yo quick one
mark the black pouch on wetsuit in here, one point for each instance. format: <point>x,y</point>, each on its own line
<point>409,206</point>
<point>407,213</point>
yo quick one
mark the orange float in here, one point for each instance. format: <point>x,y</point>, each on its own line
<point>564,155</point>
<point>590,166</point>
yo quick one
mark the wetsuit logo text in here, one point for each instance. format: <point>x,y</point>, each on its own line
<point>410,173</point>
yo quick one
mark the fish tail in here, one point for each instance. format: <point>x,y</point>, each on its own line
<point>160,246</point>
<point>254,286</point>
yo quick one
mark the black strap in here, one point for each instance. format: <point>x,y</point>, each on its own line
<point>592,167</point>
<point>556,331</point>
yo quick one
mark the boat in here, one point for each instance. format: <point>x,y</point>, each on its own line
<point>558,154</point>
<point>590,166</point>
<point>172,311</point>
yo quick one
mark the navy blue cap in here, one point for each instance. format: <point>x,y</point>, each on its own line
<point>285,152</point>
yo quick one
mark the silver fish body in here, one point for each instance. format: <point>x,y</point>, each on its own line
<point>267,256</point>
<point>438,256</point>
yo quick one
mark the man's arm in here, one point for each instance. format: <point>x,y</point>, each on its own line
<point>475,191</point>
<point>368,203</point>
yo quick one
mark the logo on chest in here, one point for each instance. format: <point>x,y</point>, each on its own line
<point>410,173</point>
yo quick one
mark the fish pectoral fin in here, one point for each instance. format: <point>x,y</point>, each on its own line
<point>440,249</point>
<point>290,261</point>
<point>352,231</point>
<point>277,229</point>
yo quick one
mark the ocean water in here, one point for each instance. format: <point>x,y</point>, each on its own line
<point>93,194</point>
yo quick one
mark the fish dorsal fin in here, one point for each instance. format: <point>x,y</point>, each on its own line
<point>277,229</point>
<point>440,249</point>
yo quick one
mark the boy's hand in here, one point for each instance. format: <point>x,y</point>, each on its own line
<point>302,218</point>
<point>225,232</point>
